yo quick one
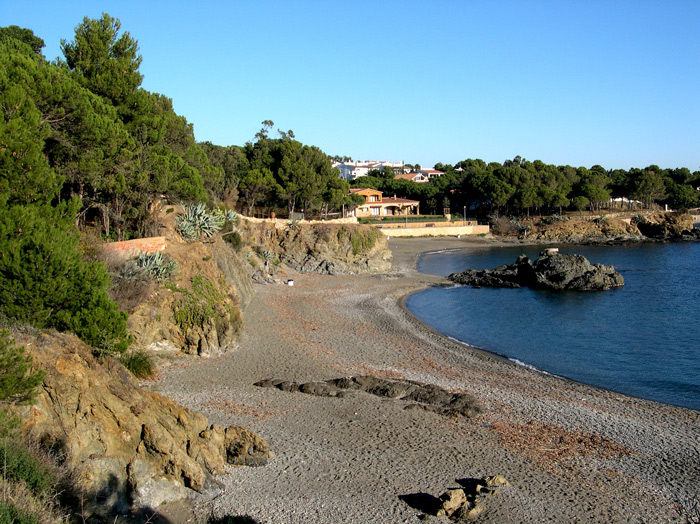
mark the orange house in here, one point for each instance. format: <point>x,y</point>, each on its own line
<point>377,206</point>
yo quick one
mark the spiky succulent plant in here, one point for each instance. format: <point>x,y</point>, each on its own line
<point>196,221</point>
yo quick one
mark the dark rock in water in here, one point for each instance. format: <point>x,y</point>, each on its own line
<point>551,270</point>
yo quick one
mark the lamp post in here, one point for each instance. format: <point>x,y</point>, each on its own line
<point>464,216</point>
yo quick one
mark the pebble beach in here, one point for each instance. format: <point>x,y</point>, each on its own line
<point>570,452</point>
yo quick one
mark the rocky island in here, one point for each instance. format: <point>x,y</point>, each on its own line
<point>552,270</point>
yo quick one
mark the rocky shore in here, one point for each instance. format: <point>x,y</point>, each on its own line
<point>569,452</point>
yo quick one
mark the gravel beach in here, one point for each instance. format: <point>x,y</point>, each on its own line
<point>570,452</point>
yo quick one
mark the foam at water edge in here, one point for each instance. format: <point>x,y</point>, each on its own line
<point>528,366</point>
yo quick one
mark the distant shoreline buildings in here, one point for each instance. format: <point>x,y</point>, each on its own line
<point>352,170</point>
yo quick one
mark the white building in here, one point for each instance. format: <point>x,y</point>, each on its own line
<point>353,170</point>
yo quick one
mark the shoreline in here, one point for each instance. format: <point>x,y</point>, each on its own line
<point>514,360</point>
<point>570,451</point>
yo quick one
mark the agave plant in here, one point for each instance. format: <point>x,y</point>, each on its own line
<point>196,221</point>
<point>156,264</point>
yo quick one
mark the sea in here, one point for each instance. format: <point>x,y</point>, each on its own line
<point>642,339</point>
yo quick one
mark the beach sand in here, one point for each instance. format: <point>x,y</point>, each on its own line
<point>571,453</point>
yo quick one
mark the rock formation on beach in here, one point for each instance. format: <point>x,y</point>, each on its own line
<point>420,396</point>
<point>125,446</point>
<point>552,270</point>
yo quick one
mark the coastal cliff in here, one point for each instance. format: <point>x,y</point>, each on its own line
<point>599,229</point>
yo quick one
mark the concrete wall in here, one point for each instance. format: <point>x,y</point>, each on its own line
<point>450,231</point>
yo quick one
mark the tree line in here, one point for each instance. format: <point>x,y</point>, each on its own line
<point>521,187</point>
<point>81,142</point>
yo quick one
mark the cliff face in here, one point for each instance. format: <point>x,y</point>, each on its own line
<point>126,445</point>
<point>664,226</point>
<point>199,310</point>
<point>329,249</point>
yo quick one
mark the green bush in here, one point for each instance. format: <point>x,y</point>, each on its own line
<point>361,239</point>
<point>139,362</point>
<point>45,282</point>
<point>198,307</point>
<point>10,514</point>
<point>235,239</point>
<point>17,382</point>
<point>20,464</point>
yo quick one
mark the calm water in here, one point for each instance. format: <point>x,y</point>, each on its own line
<point>642,339</point>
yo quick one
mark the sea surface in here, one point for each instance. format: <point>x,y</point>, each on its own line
<point>642,339</point>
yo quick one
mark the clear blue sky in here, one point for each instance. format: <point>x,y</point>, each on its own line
<point>587,82</point>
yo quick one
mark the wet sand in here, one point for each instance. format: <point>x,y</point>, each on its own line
<point>571,452</point>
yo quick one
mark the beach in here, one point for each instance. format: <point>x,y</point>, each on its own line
<point>570,452</point>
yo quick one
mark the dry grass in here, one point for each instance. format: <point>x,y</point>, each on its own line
<point>550,446</point>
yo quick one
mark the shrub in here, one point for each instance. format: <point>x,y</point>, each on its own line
<point>20,464</point>
<point>235,239</point>
<point>139,362</point>
<point>361,239</point>
<point>17,382</point>
<point>10,514</point>
<point>198,307</point>
<point>45,282</point>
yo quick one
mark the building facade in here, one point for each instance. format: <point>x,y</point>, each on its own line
<point>376,205</point>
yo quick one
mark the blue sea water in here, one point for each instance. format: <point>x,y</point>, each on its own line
<point>642,339</point>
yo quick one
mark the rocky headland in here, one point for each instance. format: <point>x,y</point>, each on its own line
<point>552,270</point>
<point>612,228</point>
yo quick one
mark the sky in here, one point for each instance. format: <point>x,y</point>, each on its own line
<point>615,83</point>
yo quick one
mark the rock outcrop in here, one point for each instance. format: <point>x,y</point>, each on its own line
<point>552,270</point>
<point>665,226</point>
<point>326,249</point>
<point>199,310</point>
<point>422,396</point>
<point>125,445</point>
<point>615,228</point>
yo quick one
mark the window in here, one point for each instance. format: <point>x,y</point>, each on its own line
<point>375,211</point>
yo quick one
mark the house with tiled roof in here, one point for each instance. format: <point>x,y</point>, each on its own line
<point>376,205</point>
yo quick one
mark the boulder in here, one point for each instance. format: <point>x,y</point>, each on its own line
<point>552,270</point>
<point>461,505</point>
<point>451,501</point>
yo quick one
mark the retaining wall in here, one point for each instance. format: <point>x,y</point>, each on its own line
<point>130,248</point>
<point>448,231</point>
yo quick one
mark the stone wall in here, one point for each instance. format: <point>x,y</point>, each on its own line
<point>130,248</point>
